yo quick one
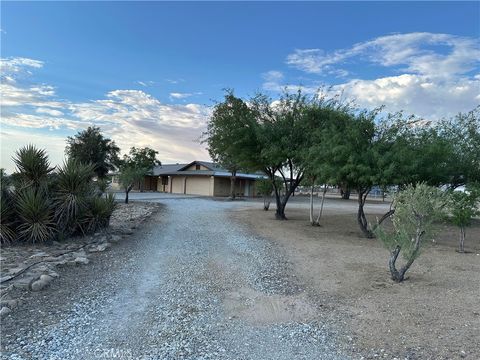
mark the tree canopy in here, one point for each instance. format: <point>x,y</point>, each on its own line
<point>91,147</point>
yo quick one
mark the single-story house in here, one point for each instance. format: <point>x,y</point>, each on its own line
<point>199,178</point>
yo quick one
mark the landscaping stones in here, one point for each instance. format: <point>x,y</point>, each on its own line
<point>81,260</point>
<point>44,259</point>
<point>4,311</point>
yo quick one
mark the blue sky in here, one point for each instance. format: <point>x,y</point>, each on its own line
<point>147,72</point>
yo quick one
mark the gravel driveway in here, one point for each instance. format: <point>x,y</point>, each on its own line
<point>189,285</point>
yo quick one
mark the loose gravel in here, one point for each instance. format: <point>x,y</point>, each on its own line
<point>161,295</point>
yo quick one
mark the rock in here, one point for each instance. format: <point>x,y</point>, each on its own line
<point>12,304</point>
<point>100,247</point>
<point>81,260</point>
<point>46,278</point>
<point>4,311</point>
<point>38,285</point>
<point>53,274</point>
<point>79,254</point>
<point>39,254</point>
<point>24,283</point>
<point>115,238</point>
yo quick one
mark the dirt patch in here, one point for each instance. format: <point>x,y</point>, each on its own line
<point>260,309</point>
<point>435,314</point>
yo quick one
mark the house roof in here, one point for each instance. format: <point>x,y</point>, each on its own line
<point>213,170</point>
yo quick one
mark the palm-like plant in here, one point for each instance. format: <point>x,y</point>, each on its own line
<point>7,233</point>
<point>72,191</point>
<point>98,213</point>
<point>35,216</point>
<point>33,166</point>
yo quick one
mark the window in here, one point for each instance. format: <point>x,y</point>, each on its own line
<point>197,167</point>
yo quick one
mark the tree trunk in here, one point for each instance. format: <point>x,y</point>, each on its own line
<point>280,212</point>
<point>361,218</point>
<point>126,196</point>
<point>312,222</point>
<point>462,239</point>
<point>232,186</point>
<point>399,275</point>
<point>344,191</point>
<point>266,203</point>
<point>321,205</point>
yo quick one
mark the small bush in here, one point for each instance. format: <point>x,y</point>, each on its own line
<point>35,216</point>
<point>98,213</point>
<point>416,210</point>
<point>72,192</point>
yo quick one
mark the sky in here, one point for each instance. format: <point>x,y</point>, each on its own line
<point>148,73</point>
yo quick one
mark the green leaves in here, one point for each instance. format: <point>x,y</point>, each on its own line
<point>98,213</point>
<point>74,189</point>
<point>35,216</point>
<point>91,147</point>
<point>417,208</point>
<point>464,206</point>
<point>33,166</point>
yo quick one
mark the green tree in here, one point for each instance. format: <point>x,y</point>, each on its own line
<point>416,210</point>
<point>91,147</point>
<point>226,133</point>
<point>134,166</point>
<point>281,136</point>
<point>129,175</point>
<point>462,141</point>
<point>142,158</point>
<point>463,207</point>
<point>348,155</point>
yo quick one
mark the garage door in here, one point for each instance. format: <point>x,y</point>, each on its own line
<point>198,185</point>
<point>177,184</point>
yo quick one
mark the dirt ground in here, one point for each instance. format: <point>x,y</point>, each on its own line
<point>434,314</point>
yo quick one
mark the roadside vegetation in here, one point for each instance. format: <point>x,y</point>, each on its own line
<point>320,141</point>
<point>41,203</point>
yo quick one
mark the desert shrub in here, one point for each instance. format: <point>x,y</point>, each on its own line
<point>98,213</point>
<point>416,211</point>
<point>35,216</point>
<point>7,233</point>
<point>463,207</point>
<point>33,167</point>
<point>39,204</point>
<point>72,193</point>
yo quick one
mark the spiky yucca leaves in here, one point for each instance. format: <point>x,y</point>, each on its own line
<point>98,213</point>
<point>33,166</point>
<point>35,216</point>
<point>7,233</point>
<point>73,189</point>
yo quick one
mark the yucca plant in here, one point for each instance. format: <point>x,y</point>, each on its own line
<point>35,216</point>
<point>7,233</point>
<point>33,166</point>
<point>98,213</point>
<point>73,189</point>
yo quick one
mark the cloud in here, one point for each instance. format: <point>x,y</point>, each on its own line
<point>130,117</point>
<point>418,53</point>
<point>146,83</point>
<point>431,74</point>
<point>15,66</point>
<point>178,95</point>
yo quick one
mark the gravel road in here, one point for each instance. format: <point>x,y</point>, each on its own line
<point>189,285</point>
